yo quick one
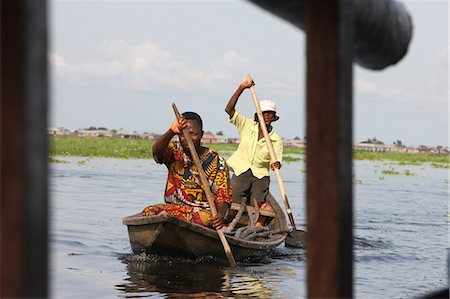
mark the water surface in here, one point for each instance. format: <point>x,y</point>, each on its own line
<point>400,228</point>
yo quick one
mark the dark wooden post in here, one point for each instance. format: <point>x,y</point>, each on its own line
<point>329,148</point>
<point>24,221</point>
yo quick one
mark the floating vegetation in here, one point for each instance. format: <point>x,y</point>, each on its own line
<point>134,148</point>
<point>408,172</point>
<point>402,158</point>
<point>288,159</point>
<point>222,147</point>
<point>53,160</point>
<point>440,165</point>
<point>82,162</point>
<point>101,147</point>
<point>390,172</point>
<point>402,163</point>
<point>293,150</point>
<point>142,149</point>
<point>381,178</point>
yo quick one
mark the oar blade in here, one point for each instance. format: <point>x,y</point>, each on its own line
<point>296,238</point>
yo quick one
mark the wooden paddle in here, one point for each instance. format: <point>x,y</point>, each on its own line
<point>206,188</point>
<point>298,236</point>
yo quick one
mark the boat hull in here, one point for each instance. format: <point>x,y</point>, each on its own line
<point>168,235</point>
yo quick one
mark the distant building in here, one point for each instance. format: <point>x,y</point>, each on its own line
<point>209,137</point>
<point>127,134</point>
<point>444,151</point>
<point>148,136</point>
<point>373,147</point>
<point>296,142</point>
<point>74,133</point>
<point>369,147</point>
<point>424,149</point>
<point>94,133</point>
<point>233,140</point>
<point>56,131</point>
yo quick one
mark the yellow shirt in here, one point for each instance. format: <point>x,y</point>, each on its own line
<point>253,153</point>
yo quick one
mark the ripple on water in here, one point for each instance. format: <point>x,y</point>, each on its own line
<point>69,243</point>
<point>363,243</point>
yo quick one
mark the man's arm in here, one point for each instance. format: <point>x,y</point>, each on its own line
<point>222,209</point>
<point>278,149</point>
<point>230,108</point>
<point>222,193</point>
<point>160,146</point>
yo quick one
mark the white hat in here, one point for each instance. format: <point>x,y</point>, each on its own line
<point>269,105</point>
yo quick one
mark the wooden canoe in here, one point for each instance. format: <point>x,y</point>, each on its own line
<point>168,235</point>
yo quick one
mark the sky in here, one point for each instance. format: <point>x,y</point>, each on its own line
<point>120,65</point>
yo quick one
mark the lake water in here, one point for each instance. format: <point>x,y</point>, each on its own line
<point>400,225</point>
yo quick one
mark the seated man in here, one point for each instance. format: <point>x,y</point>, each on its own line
<point>184,195</point>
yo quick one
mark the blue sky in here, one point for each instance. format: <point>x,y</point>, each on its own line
<point>120,64</point>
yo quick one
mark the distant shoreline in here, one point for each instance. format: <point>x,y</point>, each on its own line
<point>142,149</point>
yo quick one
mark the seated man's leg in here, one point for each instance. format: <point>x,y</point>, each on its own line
<point>178,210</point>
<point>259,191</point>
<point>184,212</point>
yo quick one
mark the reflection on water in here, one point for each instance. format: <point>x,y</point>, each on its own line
<point>149,275</point>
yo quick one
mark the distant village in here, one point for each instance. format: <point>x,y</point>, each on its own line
<point>371,145</point>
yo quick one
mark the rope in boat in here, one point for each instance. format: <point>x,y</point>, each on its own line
<point>249,232</point>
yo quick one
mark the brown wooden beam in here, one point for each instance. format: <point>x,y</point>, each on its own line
<point>329,150</point>
<point>24,221</point>
<point>12,146</point>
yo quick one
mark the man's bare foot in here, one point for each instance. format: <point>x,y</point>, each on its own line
<point>265,206</point>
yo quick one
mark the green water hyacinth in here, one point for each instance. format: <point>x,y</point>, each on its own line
<point>142,149</point>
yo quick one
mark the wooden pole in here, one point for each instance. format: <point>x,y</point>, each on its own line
<point>24,220</point>
<point>207,190</point>
<point>329,148</point>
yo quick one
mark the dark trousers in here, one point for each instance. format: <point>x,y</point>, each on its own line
<point>248,186</point>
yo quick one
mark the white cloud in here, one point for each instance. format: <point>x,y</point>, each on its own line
<point>231,61</point>
<point>365,87</point>
<point>431,89</point>
<point>418,98</point>
<point>56,59</point>
<point>147,66</point>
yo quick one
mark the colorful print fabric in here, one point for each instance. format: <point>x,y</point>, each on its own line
<point>183,187</point>
<point>184,212</point>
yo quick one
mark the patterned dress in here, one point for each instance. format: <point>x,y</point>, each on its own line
<point>184,195</point>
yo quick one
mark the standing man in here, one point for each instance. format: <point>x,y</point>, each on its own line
<point>251,161</point>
